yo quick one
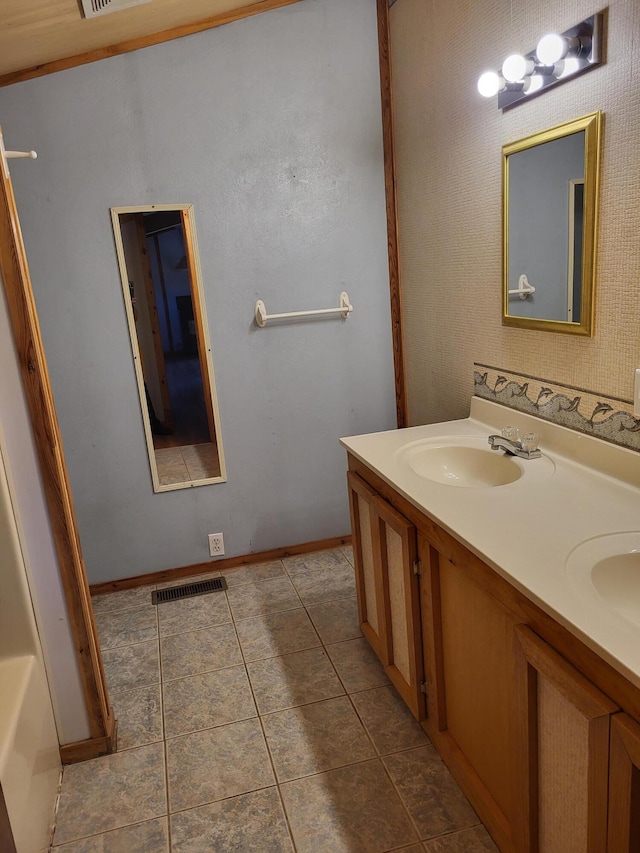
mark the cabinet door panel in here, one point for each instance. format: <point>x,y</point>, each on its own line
<point>624,785</point>
<point>563,748</point>
<point>477,662</point>
<point>368,580</point>
<point>396,541</point>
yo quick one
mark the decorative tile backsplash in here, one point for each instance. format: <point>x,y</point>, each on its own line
<point>608,418</point>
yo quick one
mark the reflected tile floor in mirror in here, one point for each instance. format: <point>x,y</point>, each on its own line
<point>187,463</point>
<point>258,719</point>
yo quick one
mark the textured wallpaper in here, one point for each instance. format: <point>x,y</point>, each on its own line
<point>448,152</point>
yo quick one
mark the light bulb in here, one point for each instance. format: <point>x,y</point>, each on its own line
<point>533,84</point>
<point>551,48</point>
<point>489,84</point>
<point>516,67</point>
<point>566,67</point>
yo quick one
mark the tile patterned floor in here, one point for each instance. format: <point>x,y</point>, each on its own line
<point>258,721</point>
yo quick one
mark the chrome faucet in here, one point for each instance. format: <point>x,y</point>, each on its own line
<point>525,447</point>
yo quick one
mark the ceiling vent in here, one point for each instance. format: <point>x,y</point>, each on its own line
<point>93,8</point>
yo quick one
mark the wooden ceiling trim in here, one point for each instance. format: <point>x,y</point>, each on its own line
<point>142,41</point>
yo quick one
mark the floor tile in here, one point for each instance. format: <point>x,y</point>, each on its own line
<point>296,679</point>
<point>124,599</point>
<point>199,651</point>
<point>209,699</point>
<point>201,611</point>
<point>390,724</point>
<point>316,737</point>
<point>303,564</point>
<point>202,460</point>
<point>347,550</point>
<point>109,792</point>
<point>336,620</point>
<point>149,837</point>
<point>254,572</point>
<point>326,584</point>
<point>139,716</point>
<point>205,576</point>
<point>270,596</point>
<point>250,823</point>
<point>217,763</point>
<point>350,810</point>
<point>357,665</point>
<point>474,840</point>
<point>124,627</point>
<point>171,466</point>
<point>276,634</point>
<point>433,799</point>
<point>134,666</point>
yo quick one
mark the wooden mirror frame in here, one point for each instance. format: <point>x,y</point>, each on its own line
<point>592,126</point>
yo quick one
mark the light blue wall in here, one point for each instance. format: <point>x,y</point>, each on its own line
<point>271,127</point>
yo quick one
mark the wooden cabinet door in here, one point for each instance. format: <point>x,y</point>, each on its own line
<point>395,556</point>
<point>563,751</point>
<point>369,590</point>
<point>468,649</point>
<point>624,785</point>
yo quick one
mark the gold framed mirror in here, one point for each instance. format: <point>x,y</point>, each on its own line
<point>550,184</point>
<point>161,280</point>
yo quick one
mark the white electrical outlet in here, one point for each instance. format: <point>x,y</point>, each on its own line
<point>216,544</point>
<point>636,394</point>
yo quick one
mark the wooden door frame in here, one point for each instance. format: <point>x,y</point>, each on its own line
<point>386,98</point>
<point>154,320</point>
<point>48,441</point>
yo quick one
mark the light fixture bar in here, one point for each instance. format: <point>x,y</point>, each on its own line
<point>556,59</point>
<point>582,51</point>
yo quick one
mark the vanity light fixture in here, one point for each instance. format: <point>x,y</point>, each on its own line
<point>557,57</point>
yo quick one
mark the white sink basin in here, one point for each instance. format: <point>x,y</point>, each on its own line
<point>461,461</point>
<point>609,567</point>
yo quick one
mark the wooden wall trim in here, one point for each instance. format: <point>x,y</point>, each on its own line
<point>142,41</point>
<point>35,380</point>
<point>219,565</point>
<point>386,94</point>
<point>85,750</point>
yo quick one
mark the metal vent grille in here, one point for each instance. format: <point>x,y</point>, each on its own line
<point>175,593</point>
<point>93,8</point>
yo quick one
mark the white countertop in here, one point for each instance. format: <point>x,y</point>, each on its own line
<point>583,488</point>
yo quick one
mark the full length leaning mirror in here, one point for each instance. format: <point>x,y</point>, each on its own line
<point>550,200</point>
<point>162,289</point>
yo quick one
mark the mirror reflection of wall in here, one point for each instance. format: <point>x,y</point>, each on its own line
<point>550,183</point>
<point>540,181</point>
<point>172,354</point>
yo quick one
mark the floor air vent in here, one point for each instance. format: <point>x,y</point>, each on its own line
<point>175,593</point>
<point>93,8</point>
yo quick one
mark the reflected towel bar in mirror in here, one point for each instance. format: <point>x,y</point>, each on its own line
<point>344,309</point>
<point>524,289</point>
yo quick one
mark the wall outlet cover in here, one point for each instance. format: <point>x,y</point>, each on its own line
<point>216,544</point>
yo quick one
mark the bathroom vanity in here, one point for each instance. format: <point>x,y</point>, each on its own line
<point>498,594</point>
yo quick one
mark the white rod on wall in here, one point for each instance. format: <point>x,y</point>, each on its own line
<point>524,289</point>
<point>8,155</point>
<point>344,308</point>
<point>31,154</point>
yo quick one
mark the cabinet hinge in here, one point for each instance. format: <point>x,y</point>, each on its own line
<point>417,568</point>
<point>423,688</point>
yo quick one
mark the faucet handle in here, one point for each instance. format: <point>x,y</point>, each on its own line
<point>529,441</point>
<point>511,433</point>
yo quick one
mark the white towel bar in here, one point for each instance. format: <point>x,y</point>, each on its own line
<point>524,289</point>
<point>344,308</point>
